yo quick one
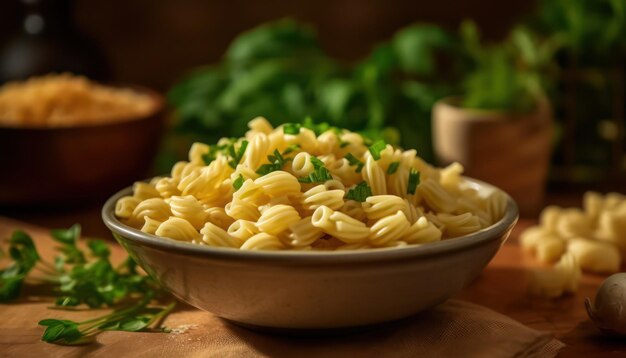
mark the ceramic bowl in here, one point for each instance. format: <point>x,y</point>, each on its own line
<point>305,290</point>
<point>71,165</point>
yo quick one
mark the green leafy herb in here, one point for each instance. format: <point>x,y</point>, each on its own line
<point>393,167</point>
<point>276,163</point>
<point>319,175</point>
<point>318,128</point>
<point>291,149</point>
<point>291,128</point>
<point>238,182</point>
<point>414,180</point>
<point>84,277</point>
<point>317,163</point>
<point>376,148</point>
<point>353,161</point>
<point>236,155</point>
<point>25,256</point>
<point>360,192</point>
<point>343,144</point>
<point>133,318</point>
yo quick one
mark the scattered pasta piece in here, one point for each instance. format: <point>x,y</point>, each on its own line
<point>555,281</point>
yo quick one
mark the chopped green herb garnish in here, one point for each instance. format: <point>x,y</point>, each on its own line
<point>317,163</point>
<point>355,162</point>
<point>276,163</point>
<point>291,148</point>
<point>343,144</point>
<point>317,128</point>
<point>360,192</point>
<point>238,182</point>
<point>376,148</point>
<point>393,167</point>
<point>292,128</point>
<point>319,175</point>
<point>236,155</point>
<point>84,277</point>
<point>414,180</point>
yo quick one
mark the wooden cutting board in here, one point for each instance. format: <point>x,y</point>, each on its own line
<point>500,287</point>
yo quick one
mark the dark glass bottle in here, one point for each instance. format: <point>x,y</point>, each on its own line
<point>49,41</point>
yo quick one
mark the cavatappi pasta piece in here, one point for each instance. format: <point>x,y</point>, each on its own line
<point>256,152</point>
<point>422,231</point>
<point>303,233</point>
<point>555,281</point>
<point>345,172</point>
<point>411,211</point>
<point>379,206</point>
<point>277,219</point>
<point>319,195</point>
<point>573,223</point>
<point>155,208</point>
<point>242,230</point>
<point>150,226</point>
<point>354,209</point>
<point>550,248</point>
<point>549,218</point>
<point>182,169</point>
<point>167,187</point>
<point>459,225</point>
<point>260,125</point>
<point>251,192</point>
<point>177,229</point>
<point>197,152</point>
<point>496,206</point>
<point>436,197</point>
<point>242,210</point>
<point>398,182</point>
<point>595,256</point>
<point>218,216</point>
<point>263,241</point>
<point>214,235</point>
<point>302,165</point>
<point>389,229</point>
<point>245,172</point>
<point>374,176</point>
<point>190,209</point>
<point>530,238</point>
<point>125,206</point>
<point>340,225</point>
<point>143,191</point>
<point>450,176</point>
<point>612,228</point>
<point>593,204</point>
<point>278,183</point>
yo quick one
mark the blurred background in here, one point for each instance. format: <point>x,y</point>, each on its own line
<point>528,95</point>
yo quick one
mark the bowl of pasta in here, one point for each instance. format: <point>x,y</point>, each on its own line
<point>310,227</point>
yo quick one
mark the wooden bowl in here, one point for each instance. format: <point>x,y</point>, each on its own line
<point>70,165</point>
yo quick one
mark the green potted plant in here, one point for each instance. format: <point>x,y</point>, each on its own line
<point>500,127</point>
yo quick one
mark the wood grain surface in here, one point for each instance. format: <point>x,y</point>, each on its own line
<point>501,287</point>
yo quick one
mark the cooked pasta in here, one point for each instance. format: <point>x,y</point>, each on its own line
<point>291,187</point>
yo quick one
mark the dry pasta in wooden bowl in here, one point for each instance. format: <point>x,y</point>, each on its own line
<point>309,228</point>
<point>300,188</point>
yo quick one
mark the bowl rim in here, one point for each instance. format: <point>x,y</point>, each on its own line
<point>481,237</point>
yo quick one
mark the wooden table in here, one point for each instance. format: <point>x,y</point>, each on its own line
<point>500,287</point>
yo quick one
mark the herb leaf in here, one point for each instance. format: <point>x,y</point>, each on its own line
<point>236,155</point>
<point>376,148</point>
<point>414,180</point>
<point>393,167</point>
<point>355,162</point>
<point>238,182</point>
<point>276,163</point>
<point>291,128</point>
<point>360,192</point>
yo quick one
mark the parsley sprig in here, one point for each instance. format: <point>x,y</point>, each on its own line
<point>360,192</point>
<point>376,148</point>
<point>353,161</point>
<point>276,162</point>
<point>84,277</point>
<point>319,174</point>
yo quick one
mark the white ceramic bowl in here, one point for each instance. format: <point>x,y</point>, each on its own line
<point>314,290</point>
